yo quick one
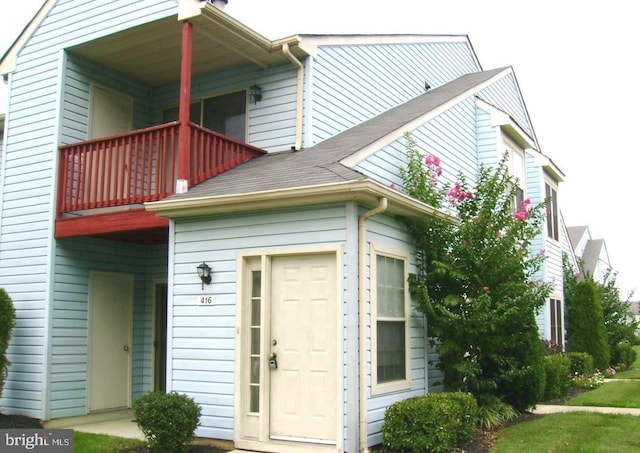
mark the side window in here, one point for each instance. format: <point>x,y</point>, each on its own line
<point>516,169</point>
<point>390,321</point>
<point>555,321</point>
<point>551,195</point>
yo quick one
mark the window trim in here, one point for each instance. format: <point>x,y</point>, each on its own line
<point>552,218</point>
<point>553,331</point>
<point>511,147</point>
<point>200,101</point>
<point>401,384</point>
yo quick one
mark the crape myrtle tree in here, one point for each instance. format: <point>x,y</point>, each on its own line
<point>475,279</point>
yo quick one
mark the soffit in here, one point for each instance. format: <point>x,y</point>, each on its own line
<point>151,53</point>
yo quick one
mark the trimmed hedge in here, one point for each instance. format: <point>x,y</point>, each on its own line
<point>435,422</point>
<point>167,420</point>
<point>625,354</point>
<point>581,363</point>
<point>7,322</point>
<point>558,376</point>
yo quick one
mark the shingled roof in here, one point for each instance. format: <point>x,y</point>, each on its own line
<point>320,164</point>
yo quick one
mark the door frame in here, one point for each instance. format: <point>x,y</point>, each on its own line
<point>251,431</point>
<point>129,278</point>
<point>154,337</point>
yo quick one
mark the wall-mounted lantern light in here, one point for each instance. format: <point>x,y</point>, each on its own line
<point>255,93</point>
<point>204,272</point>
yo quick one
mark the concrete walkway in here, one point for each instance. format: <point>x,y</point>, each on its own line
<point>116,423</point>
<point>555,409</point>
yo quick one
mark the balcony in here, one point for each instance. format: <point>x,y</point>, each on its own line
<point>103,183</point>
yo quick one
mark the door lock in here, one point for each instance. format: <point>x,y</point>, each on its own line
<point>273,361</point>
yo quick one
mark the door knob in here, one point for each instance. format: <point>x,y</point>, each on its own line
<point>126,347</point>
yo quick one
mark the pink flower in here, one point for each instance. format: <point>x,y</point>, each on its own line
<point>485,289</point>
<point>541,253</point>
<point>521,215</point>
<point>432,160</point>
<point>499,234</point>
<point>392,185</point>
<point>438,171</point>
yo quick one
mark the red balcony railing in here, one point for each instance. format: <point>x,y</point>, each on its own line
<point>141,166</point>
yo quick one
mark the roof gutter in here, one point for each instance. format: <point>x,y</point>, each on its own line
<point>299,93</point>
<point>362,311</point>
<point>364,191</point>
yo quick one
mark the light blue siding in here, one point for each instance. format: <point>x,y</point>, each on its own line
<point>354,83</point>
<point>388,231</point>
<point>29,165</point>
<point>271,122</point>
<point>79,76</point>
<point>75,259</point>
<point>505,95</point>
<point>204,338</point>
<point>450,136</point>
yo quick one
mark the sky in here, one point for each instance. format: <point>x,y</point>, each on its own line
<point>576,63</point>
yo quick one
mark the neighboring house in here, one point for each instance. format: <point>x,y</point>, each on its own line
<point>304,332</point>
<point>592,253</point>
<point>635,309</point>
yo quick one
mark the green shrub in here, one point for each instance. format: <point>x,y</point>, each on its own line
<point>493,412</point>
<point>558,376</point>
<point>587,331</point>
<point>581,363</point>
<point>167,420</point>
<point>7,322</point>
<point>624,354</point>
<point>435,422</point>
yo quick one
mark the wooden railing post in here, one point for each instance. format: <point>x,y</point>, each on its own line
<point>184,140</point>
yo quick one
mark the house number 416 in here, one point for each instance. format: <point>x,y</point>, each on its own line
<point>205,300</point>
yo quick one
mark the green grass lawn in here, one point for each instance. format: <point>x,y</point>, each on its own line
<point>577,432</point>
<point>613,394</point>
<point>100,443</point>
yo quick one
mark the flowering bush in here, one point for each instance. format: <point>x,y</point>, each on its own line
<point>475,279</point>
<point>587,381</point>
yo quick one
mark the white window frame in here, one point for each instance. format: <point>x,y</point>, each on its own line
<point>520,174</point>
<point>553,230</point>
<point>401,384</point>
<point>553,332</point>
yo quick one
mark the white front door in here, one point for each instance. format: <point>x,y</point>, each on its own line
<point>303,337</point>
<point>110,311</point>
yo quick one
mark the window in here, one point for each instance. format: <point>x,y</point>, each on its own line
<point>551,196</point>
<point>555,321</point>
<point>254,350</point>
<point>226,114</point>
<point>515,163</point>
<point>390,309</point>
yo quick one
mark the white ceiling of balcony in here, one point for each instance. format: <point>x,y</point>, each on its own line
<point>151,53</point>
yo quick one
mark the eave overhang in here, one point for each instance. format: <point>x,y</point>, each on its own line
<point>151,52</point>
<point>517,134</point>
<point>365,192</point>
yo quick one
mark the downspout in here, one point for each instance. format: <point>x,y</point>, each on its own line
<point>299,94</point>
<point>362,305</point>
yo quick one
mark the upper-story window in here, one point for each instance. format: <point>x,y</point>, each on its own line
<point>551,194</point>
<point>515,163</point>
<point>226,114</point>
